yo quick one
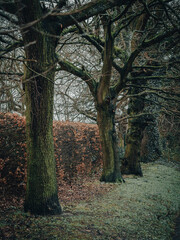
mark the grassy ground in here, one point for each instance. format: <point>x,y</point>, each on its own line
<point>140,209</point>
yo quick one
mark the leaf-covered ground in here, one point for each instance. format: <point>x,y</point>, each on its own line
<point>143,208</point>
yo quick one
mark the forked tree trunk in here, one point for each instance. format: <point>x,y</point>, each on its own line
<point>111,155</point>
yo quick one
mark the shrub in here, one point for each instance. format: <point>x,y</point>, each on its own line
<point>77,151</point>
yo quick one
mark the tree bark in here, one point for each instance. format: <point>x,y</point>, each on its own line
<point>150,146</point>
<point>41,192</point>
<point>136,125</point>
<point>131,161</point>
<point>105,100</point>
<point>140,149</point>
<point>111,155</point>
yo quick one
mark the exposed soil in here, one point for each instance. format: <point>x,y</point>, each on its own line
<point>142,208</point>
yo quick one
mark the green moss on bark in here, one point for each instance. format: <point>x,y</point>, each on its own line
<point>41,192</point>
<point>111,158</point>
<point>136,125</point>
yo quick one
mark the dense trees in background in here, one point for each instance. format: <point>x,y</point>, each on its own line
<point>128,41</point>
<point>11,92</point>
<point>99,56</point>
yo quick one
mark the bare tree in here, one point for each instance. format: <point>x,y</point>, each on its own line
<point>40,24</point>
<point>123,40</point>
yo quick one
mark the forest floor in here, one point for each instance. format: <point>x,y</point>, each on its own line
<point>142,208</point>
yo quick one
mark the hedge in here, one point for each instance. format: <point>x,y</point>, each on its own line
<point>77,151</point>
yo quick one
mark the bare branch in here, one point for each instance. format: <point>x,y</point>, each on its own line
<point>84,75</point>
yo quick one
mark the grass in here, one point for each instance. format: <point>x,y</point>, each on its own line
<point>143,208</point>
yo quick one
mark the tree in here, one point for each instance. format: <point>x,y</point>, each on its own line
<point>150,145</point>
<point>131,25</point>
<point>147,91</point>
<point>41,24</point>
<point>11,92</point>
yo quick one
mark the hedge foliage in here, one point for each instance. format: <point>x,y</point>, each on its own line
<point>77,151</point>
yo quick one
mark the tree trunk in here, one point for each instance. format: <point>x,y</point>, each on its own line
<point>136,151</point>
<point>131,161</point>
<point>41,192</point>
<point>150,146</point>
<point>136,125</point>
<point>111,155</point>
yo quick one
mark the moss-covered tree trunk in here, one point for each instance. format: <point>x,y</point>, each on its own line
<point>150,146</point>
<point>139,146</point>
<point>41,192</point>
<point>131,161</point>
<point>136,125</point>
<point>111,155</point>
<point>105,105</point>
